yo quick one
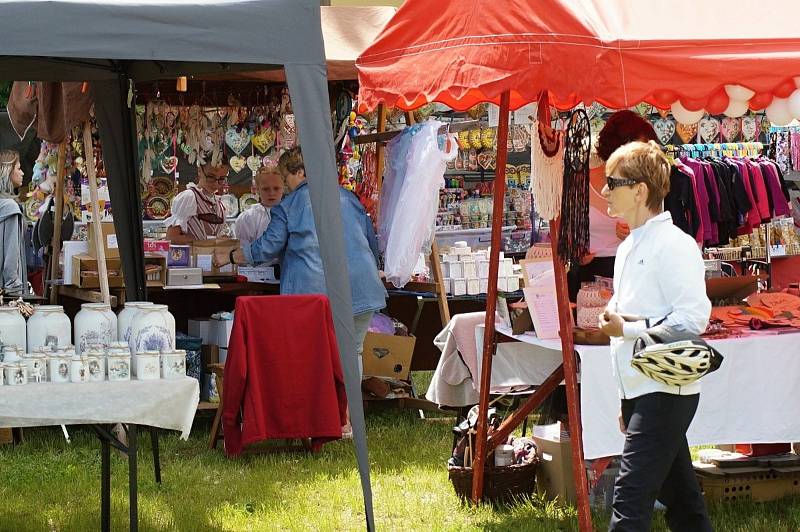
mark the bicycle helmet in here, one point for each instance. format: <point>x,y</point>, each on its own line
<point>673,357</point>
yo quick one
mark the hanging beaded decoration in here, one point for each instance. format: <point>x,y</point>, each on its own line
<point>547,163</point>
<point>573,234</point>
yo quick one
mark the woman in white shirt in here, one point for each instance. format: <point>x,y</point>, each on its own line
<point>254,221</point>
<point>658,275</point>
<point>197,212</point>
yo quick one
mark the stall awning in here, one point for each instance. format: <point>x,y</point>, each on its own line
<point>615,52</point>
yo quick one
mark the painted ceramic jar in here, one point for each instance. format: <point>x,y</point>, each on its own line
<point>153,329</point>
<point>79,369</point>
<point>11,353</point>
<point>16,373</point>
<point>50,327</point>
<point>148,365</point>
<point>96,323</point>
<point>12,328</point>
<point>173,364</point>
<point>59,365</point>
<point>37,367</point>
<point>96,363</point>
<point>119,366</point>
<point>125,318</point>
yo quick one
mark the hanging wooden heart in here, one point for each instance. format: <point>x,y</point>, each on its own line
<point>749,128</point>
<point>709,129</point>
<point>485,159</point>
<point>665,130</point>
<point>237,163</point>
<point>730,128</point>
<point>687,132</point>
<point>264,140</point>
<point>643,109</point>
<point>169,164</point>
<point>254,163</point>
<point>664,113</point>
<point>271,159</point>
<point>237,140</point>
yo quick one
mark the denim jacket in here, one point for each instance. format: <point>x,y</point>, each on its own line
<point>292,237</point>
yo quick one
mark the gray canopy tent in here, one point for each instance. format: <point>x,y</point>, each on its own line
<point>112,43</point>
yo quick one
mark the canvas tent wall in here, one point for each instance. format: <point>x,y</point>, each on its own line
<point>112,43</point>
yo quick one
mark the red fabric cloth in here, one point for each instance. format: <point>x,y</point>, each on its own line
<point>616,52</point>
<point>283,373</point>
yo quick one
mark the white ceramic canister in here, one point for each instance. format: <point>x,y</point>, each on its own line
<point>16,373</point>
<point>37,367</point>
<point>153,329</point>
<point>48,326</point>
<point>173,364</point>
<point>59,365</point>
<point>79,369</point>
<point>11,353</point>
<point>125,318</point>
<point>119,366</point>
<point>96,363</point>
<point>12,328</point>
<point>148,365</point>
<point>2,374</point>
<point>96,323</point>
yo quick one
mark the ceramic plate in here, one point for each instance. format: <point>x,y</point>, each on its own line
<point>157,208</point>
<point>246,201</point>
<point>230,204</point>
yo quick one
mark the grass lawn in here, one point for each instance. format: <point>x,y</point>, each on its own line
<point>47,484</point>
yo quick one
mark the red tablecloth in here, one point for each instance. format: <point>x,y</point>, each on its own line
<point>283,376</point>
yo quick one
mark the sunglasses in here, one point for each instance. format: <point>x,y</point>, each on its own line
<point>614,182</point>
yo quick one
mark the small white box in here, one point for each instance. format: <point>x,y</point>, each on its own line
<point>470,269</point>
<point>506,267</point>
<point>450,257</point>
<point>459,287</point>
<point>199,328</point>
<point>513,283</point>
<point>484,286</point>
<point>480,255</point>
<point>219,331</point>
<point>72,248</point>
<point>473,286</point>
<point>445,269</point>
<point>502,284</point>
<point>483,269</point>
<point>456,270</point>
<point>448,285</point>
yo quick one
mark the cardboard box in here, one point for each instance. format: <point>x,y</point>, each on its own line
<point>72,248</point>
<point>386,355</point>
<point>85,272</point>
<point>258,274</point>
<point>159,247</point>
<point>219,331</point>
<point>554,477</point>
<point>109,240</point>
<point>155,266</point>
<point>747,483</point>
<point>203,255</point>
<point>199,328</point>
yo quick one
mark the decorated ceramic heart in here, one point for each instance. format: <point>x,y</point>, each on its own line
<point>169,164</point>
<point>237,140</point>
<point>749,128</point>
<point>730,128</point>
<point>643,109</point>
<point>271,159</point>
<point>485,159</point>
<point>687,132</point>
<point>254,163</point>
<point>264,140</point>
<point>664,113</point>
<point>595,109</point>
<point>237,163</point>
<point>709,129</point>
<point>665,129</point>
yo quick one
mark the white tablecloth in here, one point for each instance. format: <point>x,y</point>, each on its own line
<point>168,404</point>
<point>754,397</point>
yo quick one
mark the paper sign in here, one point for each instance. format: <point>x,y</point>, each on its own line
<point>543,306</point>
<point>777,251</point>
<point>111,241</point>
<point>204,262</point>
<point>502,311</point>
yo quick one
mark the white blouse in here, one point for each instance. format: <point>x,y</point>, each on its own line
<point>251,224</point>
<point>184,209</point>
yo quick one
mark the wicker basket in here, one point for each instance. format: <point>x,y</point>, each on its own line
<point>500,484</point>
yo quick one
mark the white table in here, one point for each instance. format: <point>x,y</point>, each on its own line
<point>754,397</point>
<point>168,404</point>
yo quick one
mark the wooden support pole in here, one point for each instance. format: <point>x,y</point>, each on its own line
<point>441,292</point>
<point>55,247</point>
<point>489,336</point>
<point>571,383</point>
<point>100,251</point>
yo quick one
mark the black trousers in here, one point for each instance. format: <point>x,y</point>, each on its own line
<point>656,465</point>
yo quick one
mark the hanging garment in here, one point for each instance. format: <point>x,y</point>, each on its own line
<point>398,151</point>
<point>703,196</point>
<point>762,200</point>
<point>283,375</point>
<point>780,205</point>
<point>413,217</point>
<point>680,202</point>
<point>698,223</point>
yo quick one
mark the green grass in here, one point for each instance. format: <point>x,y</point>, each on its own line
<point>47,484</point>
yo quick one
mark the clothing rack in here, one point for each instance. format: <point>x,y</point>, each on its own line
<point>730,149</point>
<point>386,136</point>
